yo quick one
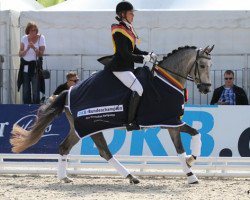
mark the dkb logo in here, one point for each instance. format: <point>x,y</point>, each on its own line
<point>150,137</point>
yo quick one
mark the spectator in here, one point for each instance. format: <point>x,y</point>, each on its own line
<point>72,79</point>
<point>31,49</point>
<point>229,94</point>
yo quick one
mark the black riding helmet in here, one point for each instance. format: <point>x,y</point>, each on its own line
<point>123,6</point>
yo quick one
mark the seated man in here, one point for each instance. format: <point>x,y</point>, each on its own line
<point>72,79</point>
<point>229,94</point>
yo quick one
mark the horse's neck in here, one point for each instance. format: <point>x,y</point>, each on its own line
<point>180,66</point>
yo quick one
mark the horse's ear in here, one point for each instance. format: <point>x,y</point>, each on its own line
<point>204,50</point>
<point>210,49</point>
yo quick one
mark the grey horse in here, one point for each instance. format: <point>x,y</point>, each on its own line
<point>184,63</point>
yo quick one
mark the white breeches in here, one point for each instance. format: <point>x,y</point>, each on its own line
<point>129,80</point>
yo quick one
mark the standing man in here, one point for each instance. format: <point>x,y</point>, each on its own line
<point>229,94</point>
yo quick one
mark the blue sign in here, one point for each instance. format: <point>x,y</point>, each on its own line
<point>25,116</point>
<point>153,142</point>
<point>207,122</point>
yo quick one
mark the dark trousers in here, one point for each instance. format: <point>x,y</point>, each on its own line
<point>31,83</point>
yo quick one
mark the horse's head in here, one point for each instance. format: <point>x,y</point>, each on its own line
<point>200,71</point>
<point>189,63</point>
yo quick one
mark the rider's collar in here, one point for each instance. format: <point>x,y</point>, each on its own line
<point>130,27</point>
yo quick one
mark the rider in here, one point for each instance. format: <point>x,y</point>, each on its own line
<point>125,55</point>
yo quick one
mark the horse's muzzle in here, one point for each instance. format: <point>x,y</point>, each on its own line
<point>204,87</point>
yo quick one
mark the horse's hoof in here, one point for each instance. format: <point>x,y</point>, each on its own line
<point>192,179</point>
<point>66,180</point>
<point>132,179</point>
<point>196,182</point>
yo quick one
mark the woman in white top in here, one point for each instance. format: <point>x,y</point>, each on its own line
<point>31,48</point>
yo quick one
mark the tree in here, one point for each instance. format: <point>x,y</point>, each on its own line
<point>47,3</point>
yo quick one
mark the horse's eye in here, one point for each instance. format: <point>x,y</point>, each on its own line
<point>202,66</point>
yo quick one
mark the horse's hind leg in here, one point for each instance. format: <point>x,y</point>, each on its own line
<point>68,143</point>
<point>104,152</point>
<point>176,138</point>
<point>65,148</point>
<point>195,143</point>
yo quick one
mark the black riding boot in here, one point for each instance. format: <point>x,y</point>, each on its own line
<point>132,110</point>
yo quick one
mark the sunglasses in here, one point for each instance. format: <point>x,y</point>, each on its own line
<point>228,78</point>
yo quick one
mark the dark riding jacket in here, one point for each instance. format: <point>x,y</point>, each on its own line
<point>240,95</point>
<point>125,51</point>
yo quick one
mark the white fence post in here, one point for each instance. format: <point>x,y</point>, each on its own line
<point>1,76</point>
<point>1,161</point>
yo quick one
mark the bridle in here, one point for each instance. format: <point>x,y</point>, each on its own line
<point>196,70</point>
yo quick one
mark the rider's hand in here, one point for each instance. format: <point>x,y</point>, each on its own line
<point>151,57</point>
<point>146,58</point>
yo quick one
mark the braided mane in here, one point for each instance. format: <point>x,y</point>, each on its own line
<point>177,50</point>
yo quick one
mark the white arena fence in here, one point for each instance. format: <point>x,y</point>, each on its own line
<point>138,165</point>
<point>58,77</point>
<point>80,63</point>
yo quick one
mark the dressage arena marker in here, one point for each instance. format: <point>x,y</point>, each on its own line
<point>140,165</point>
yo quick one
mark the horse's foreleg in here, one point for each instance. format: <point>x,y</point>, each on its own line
<point>65,148</point>
<point>191,177</point>
<point>105,153</point>
<point>176,138</point>
<point>195,143</point>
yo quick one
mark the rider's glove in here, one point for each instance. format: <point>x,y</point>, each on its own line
<point>146,58</point>
<point>151,57</point>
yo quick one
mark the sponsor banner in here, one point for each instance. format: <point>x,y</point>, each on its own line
<point>225,131</point>
<point>25,116</point>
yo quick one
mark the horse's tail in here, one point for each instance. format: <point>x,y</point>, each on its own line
<point>22,139</point>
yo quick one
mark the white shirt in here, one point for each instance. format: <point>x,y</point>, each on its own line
<point>31,54</point>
